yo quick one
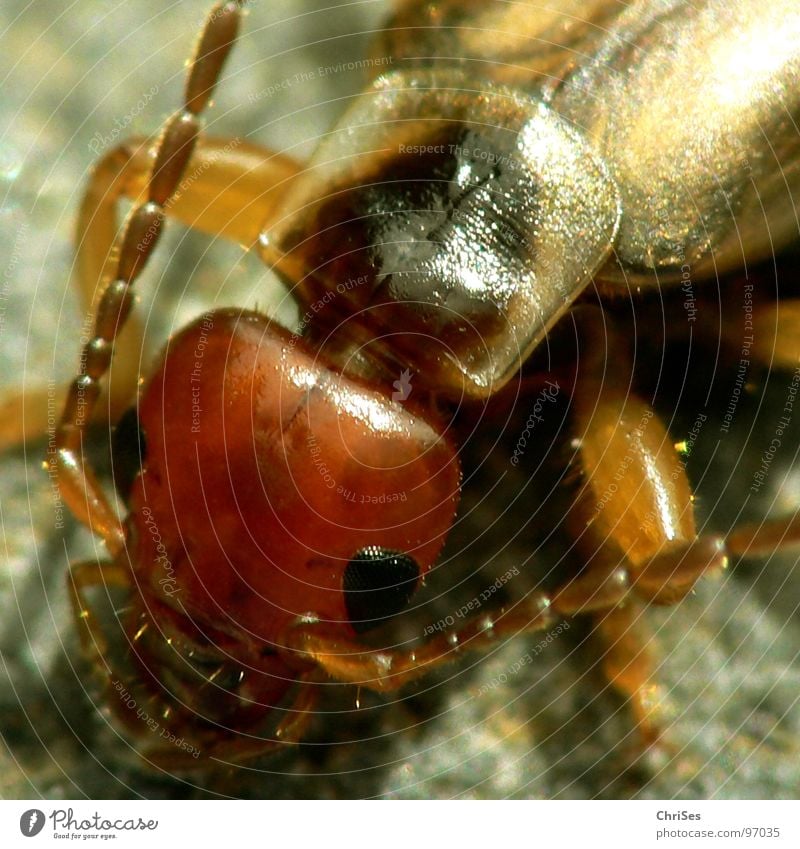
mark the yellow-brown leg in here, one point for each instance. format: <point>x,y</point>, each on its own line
<point>634,512</point>
<point>761,539</point>
<point>601,588</point>
<point>628,666</point>
<point>346,660</point>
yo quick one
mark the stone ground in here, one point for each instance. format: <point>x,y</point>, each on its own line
<point>730,667</point>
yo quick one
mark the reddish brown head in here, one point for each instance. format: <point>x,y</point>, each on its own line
<point>274,488</point>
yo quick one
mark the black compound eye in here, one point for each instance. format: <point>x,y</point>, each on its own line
<point>128,451</point>
<point>378,584</point>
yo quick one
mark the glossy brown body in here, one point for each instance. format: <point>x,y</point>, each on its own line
<point>692,106</point>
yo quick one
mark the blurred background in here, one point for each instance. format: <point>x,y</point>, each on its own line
<point>77,77</point>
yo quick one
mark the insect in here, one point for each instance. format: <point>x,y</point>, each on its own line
<point>281,502</point>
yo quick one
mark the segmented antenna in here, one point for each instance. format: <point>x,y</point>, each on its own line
<point>78,485</point>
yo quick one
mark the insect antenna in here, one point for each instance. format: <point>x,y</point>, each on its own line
<point>77,483</point>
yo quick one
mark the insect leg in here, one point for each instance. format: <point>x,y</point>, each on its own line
<point>597,590</point>
<point>606,589</point>
<point>762,539</point>
<point>628,666</point>
<point>382,671</point>
<point>82,576</point>
<point>775,333</point>
<point>241,748</point>
<point>116,685</point>
<point>292,728</point>
<point>228,190</point>
<point>633,518</point>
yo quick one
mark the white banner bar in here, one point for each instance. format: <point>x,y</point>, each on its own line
<point>400,825</point>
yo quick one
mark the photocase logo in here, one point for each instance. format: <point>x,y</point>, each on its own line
<point>403,387</point>
<point>31,822</point>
